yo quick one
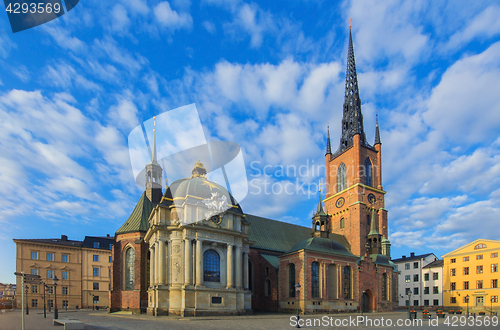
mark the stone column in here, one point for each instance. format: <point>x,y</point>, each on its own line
<point>151,266</point>
<point>245,270</point>
<point>187,262</point>
<point>238,267</point>
<point>157,262</point>
<point>230,281</point>
<point>162,262</point>
<point>199,262</point>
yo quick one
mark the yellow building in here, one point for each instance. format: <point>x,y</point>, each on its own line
<point>472,270</point>
<point>82,268</point>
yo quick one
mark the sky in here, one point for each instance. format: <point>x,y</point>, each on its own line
<point>268,76</point>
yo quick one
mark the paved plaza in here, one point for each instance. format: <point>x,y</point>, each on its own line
<point>102,320</point>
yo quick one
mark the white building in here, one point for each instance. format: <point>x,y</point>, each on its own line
<point>410,283</point>
<point>433,283</point>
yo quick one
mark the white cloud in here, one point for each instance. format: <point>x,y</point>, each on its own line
<point>64,75</point>
<point>170,18</point>
<point>124,113</point>
<point>137,6</point>
<point>209,26</point>
<point>119,18</point>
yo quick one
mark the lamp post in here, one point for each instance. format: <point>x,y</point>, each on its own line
<point>297,293</point>
<point>26,288</point>
<point>55,280</point>
<point>491,300</point>
<point>48,292</point>
<point>91,294</point>
<point>467,300</point>
<point>44,308</point>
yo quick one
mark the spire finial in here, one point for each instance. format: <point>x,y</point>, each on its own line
<point>319,209</point>
<point>377,131</point>
<point>153,153</point>
<point>328,145</point>
<point>350,19</point>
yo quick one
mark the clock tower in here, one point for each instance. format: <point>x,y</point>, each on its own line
<point>354,196</point>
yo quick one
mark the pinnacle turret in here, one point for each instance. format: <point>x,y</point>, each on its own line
<point>328,145</point>
<point>377,133</point>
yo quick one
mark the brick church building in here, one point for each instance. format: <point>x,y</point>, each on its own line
<point>177,255</point>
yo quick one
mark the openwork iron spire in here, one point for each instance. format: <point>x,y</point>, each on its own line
<point>328,145</point>
<point>352,121</point>
<point>377,133</point>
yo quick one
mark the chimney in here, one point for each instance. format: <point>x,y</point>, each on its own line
<point>64,238</point>
<point>404,257</point>
<point>412,254</point>
<point>107,235</point>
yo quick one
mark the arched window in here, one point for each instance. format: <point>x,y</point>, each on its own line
<point>211,266</point>
<point>267,288</point>
<point>341,177</point>
<point>291,280</point>
<point>342,223</point>
<point>385,287</point>
<point>332,281</point>
<point>347,283</point>
<point>368,173</point>
<point>480,246</point>
<point>315,280</point>
<point>129,269</point>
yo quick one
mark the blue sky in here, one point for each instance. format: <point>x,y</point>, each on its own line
<point>269,76</point>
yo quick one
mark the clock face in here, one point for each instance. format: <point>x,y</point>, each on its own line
<point>340,202</point>
<point>216,219</point>
<point>371,198</point>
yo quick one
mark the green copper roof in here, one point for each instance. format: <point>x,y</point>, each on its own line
<point>380,259</point>
<point>138,220</point>
<point>332,245</point>
<point>273,260</point>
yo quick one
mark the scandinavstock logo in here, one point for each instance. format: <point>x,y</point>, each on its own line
<point>26,14</point>
<point>208,175</point>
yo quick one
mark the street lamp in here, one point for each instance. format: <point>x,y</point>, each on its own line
<point>48,292</point>
<point>26,289</point>
<point>44,308</point>
<point>55,280</point>
<point>467,300</point>
<point>90,293</point>
<point>297,293</point>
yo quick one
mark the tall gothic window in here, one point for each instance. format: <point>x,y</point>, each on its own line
<point>368,173</point>
<point>291,280</point>
<point>385,287</point>
<point>315,280</point>
<point>129,269</point>
<point>332,281</point>
<point>347,283</point>
<point>341,177</point>
<point>211,266</point>
<point>267,288</point>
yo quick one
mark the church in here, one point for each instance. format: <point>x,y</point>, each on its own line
<point>192,251</point>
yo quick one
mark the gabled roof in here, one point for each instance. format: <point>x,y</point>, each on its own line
<point>54,241</point>
<point>138,220</point>
<point>273,260</point>
<point>434,264</point>
<point>479,240</point>
<point>331,245</point>
<point>421,256</point>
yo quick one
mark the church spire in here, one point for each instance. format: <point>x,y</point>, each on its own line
<point>319,209</point>
<point>352,121</point>
<point>377,133</point>
<point>373,225</point>
<point>328,145</point>
<point>153,173</point>
<point>153,153</point>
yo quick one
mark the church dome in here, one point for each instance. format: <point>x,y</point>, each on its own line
<point>320,244</point>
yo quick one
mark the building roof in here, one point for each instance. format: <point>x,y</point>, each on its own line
<point>273,260</point>
<point>434,264</point>
<point>414,257</point>
<point>138,220</point>
<point>322,245</point>
<point>53,241</point>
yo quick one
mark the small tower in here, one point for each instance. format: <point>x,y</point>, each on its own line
<point>374,245</point>
<point>320,220</point>
<point>153,174</point>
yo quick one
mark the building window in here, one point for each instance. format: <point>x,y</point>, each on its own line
<point>435,290</point>
<point>110,246</point>
<point>494,299</point>
<point>407,278</point>
<point>408,290</point>
<point>436,302</point>
<point>479,269</point>
<point>211,266</point>
<point>34,303</point>
<point>453,300</point>
<point>479,257</point>
<point>453,286</point>
<point>267,288</point>
<point>341,177</point>
<point>315,280</point>
<point>415,265</point>
<point>435,276</point>
<point>50,274</point>
<point>34,272</point>
<point>466,270</point>
<point>453,260</point>
<point>494,268</point>
<point>130,269</point>
<point>479,284</point>
<point>51,290</point>
<point>96,299</point>
<point>342,223</point>
<point>347,283</point>
<point>95,271</point>
<point>291,280</point>
<point>415,278</point>
<point>96,245</point>
<point>50,256</point>
<point>110,259</point>
<point>453,272</point>
<point>407,266</point>
<point>109,272</point>
<point>95,286</point>
<point>426,302</point>
<point>65,275</point>
<point>34,255</point>
<point>34,289</point>
<point>466,285</point>
<point>368,173</point>
<point>415,302</point>
<point>95,257</point>
<point>426,290</point>
<point>385,287</point>
<point>415,290</point>
<point>494,284</point>
<point>426,277</point>
<point>494,255</point>
<point>65,290</point>
<point>65,304</point>
<point>480,246</point>
<point>65,258</point>
<point>466,258</point>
